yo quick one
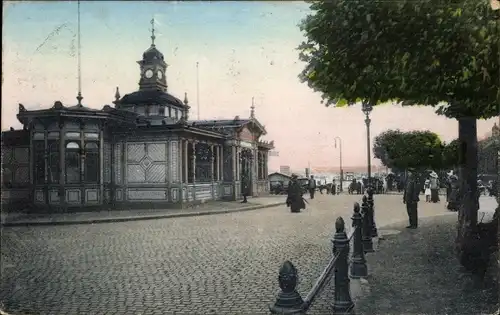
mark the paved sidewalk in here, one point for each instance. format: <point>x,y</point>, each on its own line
<point>487,206</point>
<point>417,272</point>
<point>212,207</point>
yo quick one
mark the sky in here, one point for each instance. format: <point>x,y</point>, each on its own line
<point>244,50</point>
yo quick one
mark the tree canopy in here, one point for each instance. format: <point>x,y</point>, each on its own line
<point>438,53</point>
<point>451,154</point>
<point>401,150</point>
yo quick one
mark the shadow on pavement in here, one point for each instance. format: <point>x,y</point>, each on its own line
<point>417,272</point>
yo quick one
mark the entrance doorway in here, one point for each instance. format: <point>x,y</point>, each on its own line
<point>246,158</point>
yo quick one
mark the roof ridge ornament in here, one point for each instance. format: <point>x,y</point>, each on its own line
<point>117,94</point>
<point>58,105</point>
<point>252,109</point>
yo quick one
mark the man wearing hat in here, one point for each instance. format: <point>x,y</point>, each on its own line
<point>411,198</point>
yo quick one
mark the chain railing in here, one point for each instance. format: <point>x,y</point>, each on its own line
<point>289,301</point>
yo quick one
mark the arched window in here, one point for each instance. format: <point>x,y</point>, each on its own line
<point>91,162</point>
<point>53,168</point>
<point>72,163</point>
<point>176,114</point>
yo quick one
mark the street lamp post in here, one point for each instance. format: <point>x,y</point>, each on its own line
<point>341,170</point>
<point>367,108</point>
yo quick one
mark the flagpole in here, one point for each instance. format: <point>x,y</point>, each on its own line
<point>79,97</point>
<point>198,88</point>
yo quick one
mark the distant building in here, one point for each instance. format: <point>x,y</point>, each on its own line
<point>488,153</point>
<point>285,169</point>
<point>278,178</point>
<point>349,176</point>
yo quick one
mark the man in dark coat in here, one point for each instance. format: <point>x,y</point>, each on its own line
<point>294,199</point>
<point>312,186</point>
<point>411,199</point>
<point>453,196</point>
<point>245,189</point>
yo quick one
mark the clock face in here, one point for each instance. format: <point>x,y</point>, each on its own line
<point>149,73</point>
<point>160,74</point>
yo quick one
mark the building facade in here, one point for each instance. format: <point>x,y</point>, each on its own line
<point>143,151</point>
<point>488,152</point>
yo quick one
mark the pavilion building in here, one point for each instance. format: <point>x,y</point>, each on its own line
<point>143,151</point>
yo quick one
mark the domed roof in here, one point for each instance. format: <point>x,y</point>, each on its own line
<point>152,54</point>
<point>151,97</point>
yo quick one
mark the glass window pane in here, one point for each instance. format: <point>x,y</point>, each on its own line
<point>39,161</point>
<point>6,174</point>
<point>53,135</point>
<point>53,169</point>
<point>72,135</point>
<point>38,136</point>
<point>89,135</point>
<point>72,145</point>
<point>72,163</point>
<point>91,162</point>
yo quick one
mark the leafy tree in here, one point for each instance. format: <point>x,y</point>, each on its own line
<point>443,54</point>
<point>402,150</point>
<point>383,143</point>
<point>450,154</point>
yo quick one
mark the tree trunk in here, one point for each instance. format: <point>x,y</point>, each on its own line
<point>469,205</point>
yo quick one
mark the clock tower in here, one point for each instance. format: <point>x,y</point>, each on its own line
<point>153,67</point>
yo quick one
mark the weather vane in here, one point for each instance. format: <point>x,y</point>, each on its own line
<point>153,31</point>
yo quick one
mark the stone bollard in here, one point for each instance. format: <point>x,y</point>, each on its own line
<point>372,213</point>
<point>289,300</point>
<point>367,232</point>
<point>358,267</point>
<point>343,302</point>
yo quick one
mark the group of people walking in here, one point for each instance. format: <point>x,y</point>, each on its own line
<point>431,189</point>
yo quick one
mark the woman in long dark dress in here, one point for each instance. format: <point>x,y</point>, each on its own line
<point>294,199</point>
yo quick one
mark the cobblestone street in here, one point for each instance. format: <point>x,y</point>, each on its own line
<point>218,264</point>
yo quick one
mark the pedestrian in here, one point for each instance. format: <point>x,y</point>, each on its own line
<point>334,187</point>
<point>411,199</point>
<point>427,190</point>
<point>434,185</point>
<point>312,187</point>
<point>452,200</point>
<point>294,199</point>
<point>245,189</point>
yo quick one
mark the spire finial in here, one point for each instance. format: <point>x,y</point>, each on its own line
<point>79,98</point>
<point>153,37</point>
<point>117,94</point>
<point>186,102</point>
<point>252,109</point>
